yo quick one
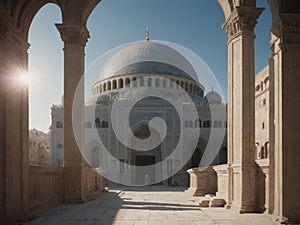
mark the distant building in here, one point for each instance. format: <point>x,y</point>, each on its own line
<point>141,65</point>
<point>262,114</point>
<point>39,148</point>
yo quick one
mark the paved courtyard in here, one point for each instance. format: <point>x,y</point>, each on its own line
<point>145,206</point>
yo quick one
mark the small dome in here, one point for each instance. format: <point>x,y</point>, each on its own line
<point>101,98</point>
<point>147,57</point>
<point>213,98</point>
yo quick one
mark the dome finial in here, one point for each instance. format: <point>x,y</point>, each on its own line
<point>147,34</point>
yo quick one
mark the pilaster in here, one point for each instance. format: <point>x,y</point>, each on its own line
<point>284,118</point>
<point>240,26</point>
<point>75,38</point>
<point>13,122</point>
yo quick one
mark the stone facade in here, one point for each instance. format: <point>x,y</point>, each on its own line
<point>240,19</point>
<point>39,148</point>
<point>214,180</point>
<point>143,74</point>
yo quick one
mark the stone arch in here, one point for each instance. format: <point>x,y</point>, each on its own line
<point>97,123</point>
<point>104,87</point>
<point>109,85</point>
<point>134,82</point>
<point>157,82</point>
<point>164,83</point>
<point>142,82</point>
<point>120,83</point>
<point>127,82</point>
<point>114,84</point>
<point>149,82</point>
<point>257,150</point>
<point>25,12</point>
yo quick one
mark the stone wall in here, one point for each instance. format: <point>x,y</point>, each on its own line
<point>92,183</point>
<point>45,187</point>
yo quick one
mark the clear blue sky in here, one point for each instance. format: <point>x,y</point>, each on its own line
<point>193,24</point>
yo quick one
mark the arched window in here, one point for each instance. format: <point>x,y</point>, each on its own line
<point>258,156</point>
<point>134,82</point>
<point>215,123</point>
<point>195,89</point>
<point>171,84</point>
<point>100,88</point>
<point>219,123</point>
<point>191,87</point>
<point>157,82</point>
<point>177,83</point>
<point>114,86</point>
<point>182,84</point>
<point>200,123</point>
<point>149,82</point>
<point>262,152</point>
<point>108,85</point>
<point>58,124</point>
<point>104,87</point>
<point>186,123</point>
<point>104,124</point>
<point>266,150</point>
<point>164,83</point>
<point>120,83</point>
<point>127,82</point>
<point>186,86</point>
<point>206,123</point>
<point>191,123</point>
<point>142,82</point>
<point>97,123</point>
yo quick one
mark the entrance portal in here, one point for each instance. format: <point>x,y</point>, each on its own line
<point>143,172</point>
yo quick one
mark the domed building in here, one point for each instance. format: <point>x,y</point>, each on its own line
<point>122,79</point>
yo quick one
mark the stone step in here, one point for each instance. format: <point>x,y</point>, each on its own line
<point>210,201</point>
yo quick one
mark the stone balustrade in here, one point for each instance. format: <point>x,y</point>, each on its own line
<point>46,187</point>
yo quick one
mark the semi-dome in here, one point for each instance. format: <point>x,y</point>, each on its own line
<point>213,97</point>
<point>148,57</point>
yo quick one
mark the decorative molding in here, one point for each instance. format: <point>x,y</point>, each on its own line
<point>73,35</point>
<point>9,32</point>
<point>286,32</point>
<point>242,19</point>
<point>288,24</point>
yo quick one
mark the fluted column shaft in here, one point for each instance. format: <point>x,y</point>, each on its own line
<point>241,107</point>
<point>74,38</point>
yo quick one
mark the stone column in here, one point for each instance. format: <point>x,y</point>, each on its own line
<point>241,101</point>
<point>284,118</point>
<point>14,156</point>
<point>75,38</point>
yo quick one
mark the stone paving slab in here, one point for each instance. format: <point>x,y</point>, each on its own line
<point>146,206</point>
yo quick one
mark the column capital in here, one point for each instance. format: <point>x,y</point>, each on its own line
<point>241,19</point>
<point>73,34</point>
<point>9,32</point>
<point>287,29</point>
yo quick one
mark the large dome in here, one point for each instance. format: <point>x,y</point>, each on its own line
<point>148,57</point>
